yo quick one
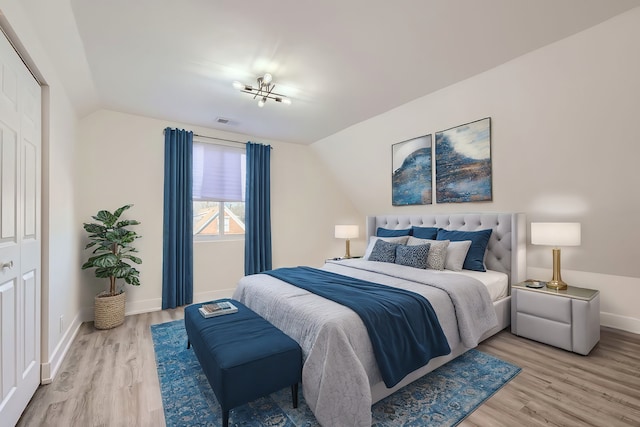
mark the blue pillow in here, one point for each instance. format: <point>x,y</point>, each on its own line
<point>383,252</point>
<point>413,256</point>
<point>479,241</point>
<point>425,232</point>
<point>385,232</point>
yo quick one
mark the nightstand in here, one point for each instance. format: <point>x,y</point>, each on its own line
<point>568,319</point>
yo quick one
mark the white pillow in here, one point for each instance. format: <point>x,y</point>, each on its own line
<point>373,239</point>
<point>437,256</point>
<point>456,253</point>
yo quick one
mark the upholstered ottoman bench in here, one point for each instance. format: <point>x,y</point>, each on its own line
<point>243,356</point>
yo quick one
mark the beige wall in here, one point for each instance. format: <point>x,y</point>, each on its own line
<point>564,148</point>
<point>122,161</point>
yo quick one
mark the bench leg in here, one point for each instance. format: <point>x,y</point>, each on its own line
<point>225,418</point>
<point>294,394</point>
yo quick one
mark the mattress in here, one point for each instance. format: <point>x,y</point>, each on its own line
<point>497,283</point>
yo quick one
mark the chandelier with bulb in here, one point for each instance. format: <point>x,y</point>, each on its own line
<point>263,91</point>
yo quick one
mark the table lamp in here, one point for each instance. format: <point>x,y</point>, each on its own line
<point>556,234</point>
<point>347,232</point>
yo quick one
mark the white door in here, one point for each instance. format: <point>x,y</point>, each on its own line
<point>20,143</point>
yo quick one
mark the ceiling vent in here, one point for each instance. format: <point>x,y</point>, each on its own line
<point>223,121</point>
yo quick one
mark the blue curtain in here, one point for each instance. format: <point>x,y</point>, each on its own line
<point>177,240</point>
<point>257,244</point>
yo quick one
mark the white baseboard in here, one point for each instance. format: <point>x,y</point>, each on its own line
<point>211,295</point>
<point>49,369</point>
<point>629,324</point>
<point>155,304</point>
<point>144,306</point>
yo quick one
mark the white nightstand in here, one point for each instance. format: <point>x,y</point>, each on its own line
<point>568,319</point>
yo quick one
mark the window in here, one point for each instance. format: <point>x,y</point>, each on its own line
<point>218,191</point>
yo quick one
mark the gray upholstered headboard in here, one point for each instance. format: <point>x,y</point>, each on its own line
<point>507,249</point>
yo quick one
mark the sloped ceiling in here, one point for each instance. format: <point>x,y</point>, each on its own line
<point>341,62</point>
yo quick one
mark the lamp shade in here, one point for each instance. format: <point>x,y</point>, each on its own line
<point>346,231</point>
<point>555,233</point>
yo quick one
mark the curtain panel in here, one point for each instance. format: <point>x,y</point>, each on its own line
<point>257,244</point>
<point>177,253</point>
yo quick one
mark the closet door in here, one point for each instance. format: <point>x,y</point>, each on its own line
<point>20,150</point>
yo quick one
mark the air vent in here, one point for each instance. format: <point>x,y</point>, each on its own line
<point>223,121</point>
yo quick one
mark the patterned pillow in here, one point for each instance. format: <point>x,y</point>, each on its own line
<point>437,252</point>
<point>413,256</point>
<point>384,252</point>
<point>373,239</point>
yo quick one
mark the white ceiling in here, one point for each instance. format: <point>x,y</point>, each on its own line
<point>340,61</point>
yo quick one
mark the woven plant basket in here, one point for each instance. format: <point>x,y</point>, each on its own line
<point>108,311</point>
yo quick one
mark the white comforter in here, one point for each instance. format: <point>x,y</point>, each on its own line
<point>340,366</point>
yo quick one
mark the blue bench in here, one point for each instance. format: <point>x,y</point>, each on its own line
<point>243,356</point>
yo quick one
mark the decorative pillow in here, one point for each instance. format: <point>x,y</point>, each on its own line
<point>412,256</point>
<point>385,232</point>
<point>456,253</point>
<point>401,240</point>
<point>425,232</point>
<point>384,251</point>
<point>437,252</point>
<point>479,241</point>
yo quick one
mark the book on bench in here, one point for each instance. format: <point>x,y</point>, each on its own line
<point>217,309</point>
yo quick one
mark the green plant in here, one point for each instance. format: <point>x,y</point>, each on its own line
<point>114,250</point>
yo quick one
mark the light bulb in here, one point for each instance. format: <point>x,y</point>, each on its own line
<point>261,102</point>
<point>267,78</point>
<point>286,101</point>
<point>238,85</point>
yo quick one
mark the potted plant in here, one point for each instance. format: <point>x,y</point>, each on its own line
<point>112,257</point>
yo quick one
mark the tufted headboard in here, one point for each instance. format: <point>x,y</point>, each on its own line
<point>507,249</point>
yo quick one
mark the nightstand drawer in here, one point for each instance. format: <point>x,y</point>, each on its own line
<point>545,306</point>
<point>547,331</point>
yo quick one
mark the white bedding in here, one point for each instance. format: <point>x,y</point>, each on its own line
<point>497,283</point>
<point>339,369</point>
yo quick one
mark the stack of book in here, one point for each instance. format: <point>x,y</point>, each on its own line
<point>213,309</point>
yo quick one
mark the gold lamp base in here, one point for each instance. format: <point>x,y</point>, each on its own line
<point>347,253</point>
<point>556,282</point>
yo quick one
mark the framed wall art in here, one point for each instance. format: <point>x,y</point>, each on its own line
<point>411,182</point>
<point>463,163</point>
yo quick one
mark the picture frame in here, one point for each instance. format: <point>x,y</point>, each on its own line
<point>463,163</point>
<point>411,166</point>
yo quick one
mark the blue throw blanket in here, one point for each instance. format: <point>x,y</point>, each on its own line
<point>402,326</point>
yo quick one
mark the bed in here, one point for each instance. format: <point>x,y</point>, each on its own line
<point>341,379</point>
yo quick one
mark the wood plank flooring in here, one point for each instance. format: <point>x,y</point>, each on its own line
<point>109,378</point>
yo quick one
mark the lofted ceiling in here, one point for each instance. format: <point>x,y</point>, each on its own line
<point>340,61</point>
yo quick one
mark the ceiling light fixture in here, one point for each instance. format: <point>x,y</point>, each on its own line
<point>263,91</point>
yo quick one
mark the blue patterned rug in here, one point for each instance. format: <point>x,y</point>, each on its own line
<point>444,397</point>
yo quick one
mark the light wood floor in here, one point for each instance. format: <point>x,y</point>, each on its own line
<point>109,379</point>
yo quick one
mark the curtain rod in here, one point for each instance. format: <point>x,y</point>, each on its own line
<point>219,139</point>
<point>222,139</point>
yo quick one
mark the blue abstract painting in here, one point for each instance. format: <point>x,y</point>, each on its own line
<point>411,164</point>
<point>463,163</point>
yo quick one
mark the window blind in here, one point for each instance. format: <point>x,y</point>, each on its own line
<point>219,173</point>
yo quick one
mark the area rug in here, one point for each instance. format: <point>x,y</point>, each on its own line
<point>444,397</point>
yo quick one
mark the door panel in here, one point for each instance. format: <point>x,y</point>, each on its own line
<point>29,310</point>
<point>9,177</point>
<point>8,304</point>
<point>30,190</point>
